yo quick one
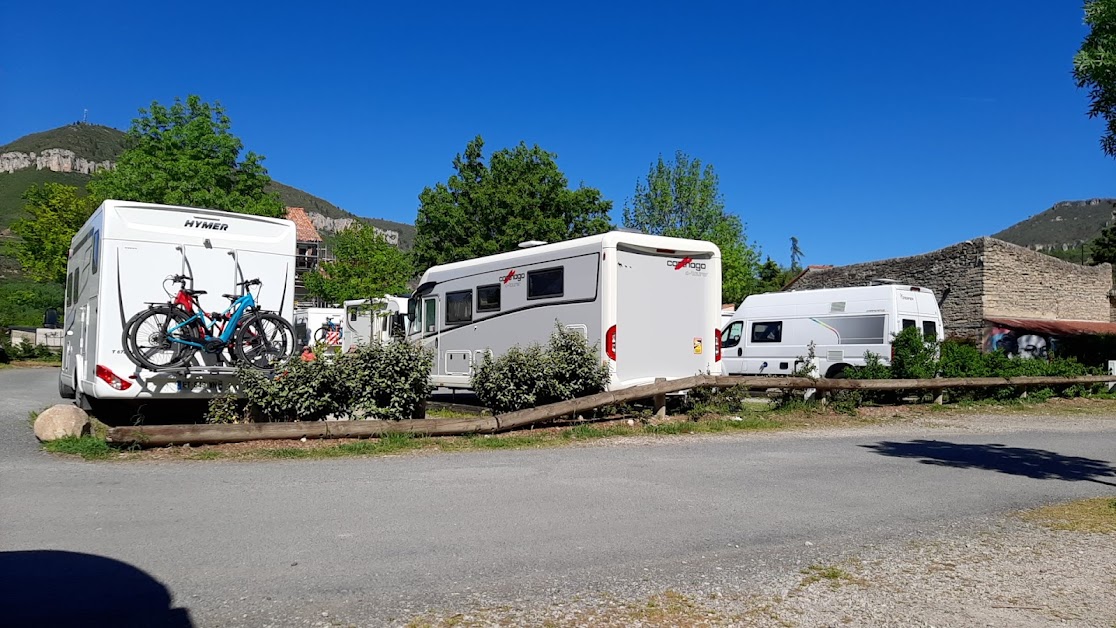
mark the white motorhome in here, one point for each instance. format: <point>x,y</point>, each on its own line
<point>651,304</point>
<point>309,320</point>
<point>120,261</point>
<point>373,320</point>
<point>771,333</point>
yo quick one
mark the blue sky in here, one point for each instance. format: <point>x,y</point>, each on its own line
<point>868,129</point>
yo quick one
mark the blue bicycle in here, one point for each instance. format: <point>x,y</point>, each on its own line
<point>168,336</point>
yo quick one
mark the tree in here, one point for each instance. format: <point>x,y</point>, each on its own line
<point>55,213</point>
<point>682,199</point>
<point>1094,66</point>
<point>519,195</point>
<point>1103,249</point>
<point>796,255</point>
<point>187,155</point>
<point>365,266</point>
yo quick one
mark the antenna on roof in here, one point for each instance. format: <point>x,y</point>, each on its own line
<point>880,281</point>
<point>531,243</point>
<point>85,116</point>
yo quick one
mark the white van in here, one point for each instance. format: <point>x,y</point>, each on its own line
<point>310,321</point>
<point>373,320</point>
<point>770,333</point>
<point>120,261</point>
<point>651,304</point>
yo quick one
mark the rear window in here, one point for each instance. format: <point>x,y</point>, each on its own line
<point>545,284</point>
<point>767,332</point>
<point>930,329</point>
<point>488,298</point>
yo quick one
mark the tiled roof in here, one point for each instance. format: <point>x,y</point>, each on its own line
<point>304,229</point>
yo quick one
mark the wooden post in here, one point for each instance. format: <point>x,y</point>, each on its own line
<point>659,401</point>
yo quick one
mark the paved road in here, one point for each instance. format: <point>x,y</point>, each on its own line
<point>379,540</point>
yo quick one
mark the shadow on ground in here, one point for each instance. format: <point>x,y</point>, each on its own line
<point>55,588</point>
<point>1033,463</point>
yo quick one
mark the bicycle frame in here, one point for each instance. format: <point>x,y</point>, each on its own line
<point>231,316</point>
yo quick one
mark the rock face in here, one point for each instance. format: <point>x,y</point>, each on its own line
<point>60,421</point>
<point>333,225</point>
<point>56,159</point>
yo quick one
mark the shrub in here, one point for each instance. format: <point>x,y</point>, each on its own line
<point>26,350</point>
<point>914,356</point>
<point>565,368</point>
<point>296,390</point>
<point>226,408</point>
<point>385,381</point>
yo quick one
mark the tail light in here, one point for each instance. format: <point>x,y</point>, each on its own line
<point>893,353</point>
<point>717,344</point>
<point>610,343</point>
<point>112,379</point>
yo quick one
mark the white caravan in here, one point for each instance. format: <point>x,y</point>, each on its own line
<point>651,304</point>
<point>309,320</point>
<point>120,261</point>
<point>373,320</point>
<point>771,333</point>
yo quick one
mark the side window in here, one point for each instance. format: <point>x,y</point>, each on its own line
<point>730,337</point>
<point>488,298</point>
<point>908,323</point>
<point>96,260</point>
<point>77,285</point>
<point>459,307</point>
<point>430,316</point>
<point>767,332</point>
<point>69,290</point>
<point>544,284</point>
<point>930,329</point>
<point>352,314</point>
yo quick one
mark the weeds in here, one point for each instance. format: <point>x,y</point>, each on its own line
<point>831,573</point>
<point>88,447</point>
<point>1085,515</point>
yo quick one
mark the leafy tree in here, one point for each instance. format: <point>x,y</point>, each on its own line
<point>1094,66</point>
<point>55,213</point>
<point>1103,249</point>
<point>682,199</point>
<point>187,155</point>
<point>365,266</point>
<point>490,208</point>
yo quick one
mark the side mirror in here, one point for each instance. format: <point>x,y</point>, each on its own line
<point>412,309</point>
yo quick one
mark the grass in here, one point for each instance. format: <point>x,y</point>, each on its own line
<point>88,447</point>
<point>1086,515</point>
<point>835,576</point>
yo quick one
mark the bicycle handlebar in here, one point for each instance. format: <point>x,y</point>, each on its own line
<point>181,278</point>
<point>250,282</point>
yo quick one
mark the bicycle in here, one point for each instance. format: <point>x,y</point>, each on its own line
<point>185,299</point>
<point>168,336</point>
<point>321,335</point>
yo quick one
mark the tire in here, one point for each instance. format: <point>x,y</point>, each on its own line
<point>265,340</point>
<point>149,344</point>
<point>65,390</point>
<point>320,335</point>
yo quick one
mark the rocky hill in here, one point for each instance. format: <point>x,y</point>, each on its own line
<point>1065,226</point>
<point>71,154</point>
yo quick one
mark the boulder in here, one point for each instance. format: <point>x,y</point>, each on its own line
<point>60,421</point>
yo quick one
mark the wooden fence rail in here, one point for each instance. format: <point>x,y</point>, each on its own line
<point>160,435</point>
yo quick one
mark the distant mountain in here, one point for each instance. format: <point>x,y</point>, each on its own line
<point>72,153</point>
<point>1063,227</point>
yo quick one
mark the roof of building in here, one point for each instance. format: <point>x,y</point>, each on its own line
<point>804,271</point>
<point>1055,327</point>
<point>304,229</point>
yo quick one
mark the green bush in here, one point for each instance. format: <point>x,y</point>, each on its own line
<point>385,381</point>
<point>565,368</point>
<point>380,381</point>
<point>913,355</point>
<point>23,302</point>
<point>26,350</point>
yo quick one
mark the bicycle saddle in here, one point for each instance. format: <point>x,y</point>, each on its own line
<point>195,292</point>
<point>231,297</point>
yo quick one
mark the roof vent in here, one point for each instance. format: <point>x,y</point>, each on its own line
<point>531,244</point>
<point>880,281</point>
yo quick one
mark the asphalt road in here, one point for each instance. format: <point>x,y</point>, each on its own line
<point>378,540</point>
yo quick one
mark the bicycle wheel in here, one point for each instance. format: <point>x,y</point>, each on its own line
<point>155,343</point>
<point>265,340</point>
<point>320,335</point>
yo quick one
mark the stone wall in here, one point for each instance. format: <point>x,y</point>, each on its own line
<point>1021,283</point>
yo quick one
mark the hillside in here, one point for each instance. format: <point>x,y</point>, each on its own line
<point>1066,225</point>
<point>92,145</point>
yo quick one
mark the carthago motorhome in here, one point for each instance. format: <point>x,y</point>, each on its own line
<point>651,304</point>
<point>771,333</point>
<point>120,261</point>
<point>373,320</point>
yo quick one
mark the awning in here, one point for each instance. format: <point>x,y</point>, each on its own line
<point>1056,328</point>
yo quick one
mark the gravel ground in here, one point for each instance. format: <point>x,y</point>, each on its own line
<point>1005,573</point>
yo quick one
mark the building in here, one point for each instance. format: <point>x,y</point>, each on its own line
<point>1000,294</point>
<point>310,250</point>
